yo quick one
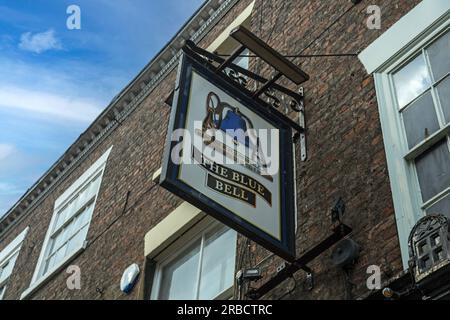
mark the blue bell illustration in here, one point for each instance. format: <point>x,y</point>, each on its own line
<point>234,121</point>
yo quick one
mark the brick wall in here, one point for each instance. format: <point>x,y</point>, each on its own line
<point>345,158</point>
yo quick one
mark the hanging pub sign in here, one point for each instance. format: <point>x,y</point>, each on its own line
<point>231,157</point>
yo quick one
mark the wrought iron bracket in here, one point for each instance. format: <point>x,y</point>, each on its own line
<point>269,93</point>
<point>302,123</point>
<point>309,281</point>
<point>301,263</point>
<point>338,211</point>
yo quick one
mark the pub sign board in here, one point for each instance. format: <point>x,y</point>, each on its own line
<point>231,157</point>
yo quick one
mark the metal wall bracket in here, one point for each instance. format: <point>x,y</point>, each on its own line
<point>309,281</point>
<point>339,233</point>
<point>269,93</point>
<point>302,123</point>
<point>338,211</point>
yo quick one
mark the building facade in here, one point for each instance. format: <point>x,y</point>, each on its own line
<point>377,109</point>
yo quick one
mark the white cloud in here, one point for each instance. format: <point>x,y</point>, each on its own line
<point>54,92</point>
<point>9,194</point>
<point>50,105</point>
<point>39,42</point>
<point>8,189</point>
<point>5,151</point>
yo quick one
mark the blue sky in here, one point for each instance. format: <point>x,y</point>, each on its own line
<point>55,81</point>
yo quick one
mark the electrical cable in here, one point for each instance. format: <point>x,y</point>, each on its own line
<point>276,23</point>
<point>324,55</point>
<point>125,210</point>
<point>326,29</point>
<point>290,291</point>
<point>300,55</point>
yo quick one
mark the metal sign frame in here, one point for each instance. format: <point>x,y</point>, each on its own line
<point>190,62</point>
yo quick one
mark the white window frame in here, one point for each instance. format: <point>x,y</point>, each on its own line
<point>395,48</point>
<point>94,171</point>
<point>174,251</point>
<point>10,251</point>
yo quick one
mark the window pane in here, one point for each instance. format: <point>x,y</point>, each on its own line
<point>50,263</point>
<point>56,257</point>
<point>411,81</point>
<point>60,245</point>
<point>58,241</point>
<point>243,61</point>
<point>218,263</point>
<point>5,271</point>
<point>11,263</point>
<point>433,170</point>
<point>179,278</point>
<point>7,268</point>
<point>77,222</point>
<point>82,218</point>
<point>87,215</point>
<point>420,120</point>
<point>439,56</point>
<point>63,236</point>
<point>60,254</point>
<point>77,241</point>
<point>82,198</point>
<point>444,96</point>
<point>2,292</point>
<point>77,202</point>
<point>62,216</point>
<point>93,187</point>
<point>441,207</point>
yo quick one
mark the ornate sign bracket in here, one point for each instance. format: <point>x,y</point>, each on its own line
<point>267,91</point>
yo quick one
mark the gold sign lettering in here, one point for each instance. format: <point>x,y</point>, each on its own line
<point>232,175</point>
<point>231,190</point>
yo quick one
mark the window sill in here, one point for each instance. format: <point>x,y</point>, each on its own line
<point>227,294</point>
<point>42,280</point>
<point>441,195</point>
<point>428,143</point>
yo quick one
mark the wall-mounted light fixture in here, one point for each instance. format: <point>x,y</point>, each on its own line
<point>252,274</point>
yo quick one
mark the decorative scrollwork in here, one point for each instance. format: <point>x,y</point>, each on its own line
<point>297,105</point>
<point>275,95</point>
<point>236,77</point>
<point>271,96</point>
<point>272,99</point>
<point>283,101</point>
